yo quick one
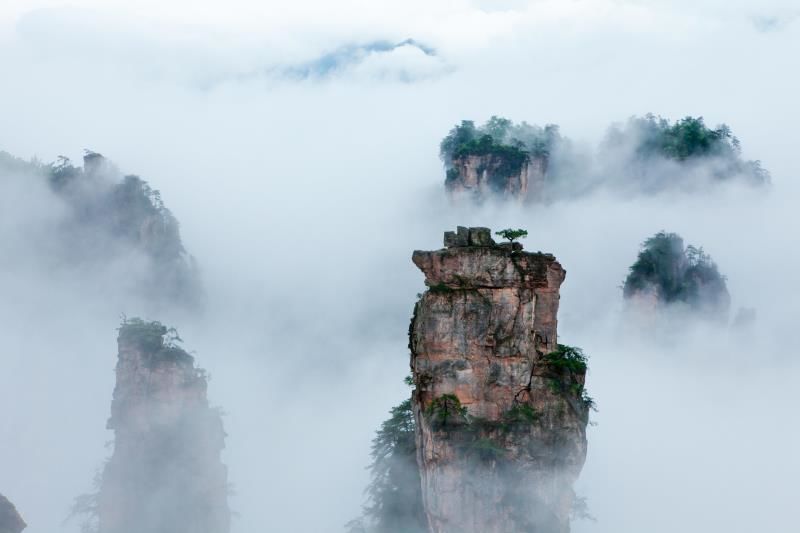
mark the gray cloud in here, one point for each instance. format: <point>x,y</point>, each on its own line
<point>302,203</point>
<point>771,23</point>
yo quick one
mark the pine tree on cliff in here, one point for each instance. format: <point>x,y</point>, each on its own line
<point>394,494</point>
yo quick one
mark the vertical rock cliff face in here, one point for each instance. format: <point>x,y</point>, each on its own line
<point>165,475</point>
<point>500,425</point>
<point>10,520</point>
<point>482,176</point>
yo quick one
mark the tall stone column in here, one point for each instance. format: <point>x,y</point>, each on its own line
<point>165,474</point>
<point>501,421</point>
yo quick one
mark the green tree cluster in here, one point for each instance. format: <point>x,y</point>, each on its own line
<point>689,141</point>
<point>569,365</point>
<point>677,274</point>
<point>154,338</point>
<point>394,495</point>
<point>566,357</point>
<point>498,133</point>
<point>512,144</point>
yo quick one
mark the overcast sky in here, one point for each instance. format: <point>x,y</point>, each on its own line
<point>297,144</point>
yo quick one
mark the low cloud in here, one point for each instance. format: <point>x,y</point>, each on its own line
<point>303,201</point>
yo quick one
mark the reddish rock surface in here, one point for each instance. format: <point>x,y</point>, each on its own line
<point>10,520</point>
<point>482,332</point>
<point>481,176</point>
<point>165,474</point>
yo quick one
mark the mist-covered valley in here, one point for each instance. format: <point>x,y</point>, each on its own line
<point>302,198</point>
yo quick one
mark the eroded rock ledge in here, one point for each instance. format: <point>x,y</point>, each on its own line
<point>500,421</point>
<point>471,260</point>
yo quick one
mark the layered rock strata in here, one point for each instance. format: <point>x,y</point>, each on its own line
<point>10,520</point>
<point>483,176</point>
<point>165,474</point>
<point>500,427</point>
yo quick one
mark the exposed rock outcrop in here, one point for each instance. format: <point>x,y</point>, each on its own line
<point>165,475</point>
<point>10,520</point>
<point>482,176</point>
<point>500,420</point>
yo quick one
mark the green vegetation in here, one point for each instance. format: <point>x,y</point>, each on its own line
<point>479,438</point>
<point>518,416</point>
<point>446,410</point>
<point>568,358</point>
<point>688,140</point>
<point>677,274</point>
<point>134,203</point>
<point>156,340</point>
<point>511,145</point>
<point>498,135</point>
<point>569,365</point>
<point>451,175</point>
<point>521,413</point>
<point>485,449</point>
<point>394,496</point>
<point>394,493</point>
<point>648,153</point>
<point>62,173</point>
<point>512,235</point>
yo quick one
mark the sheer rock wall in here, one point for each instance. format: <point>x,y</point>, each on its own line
<point>479,339</point>
<point>482,176</point>
<point>165,474</point>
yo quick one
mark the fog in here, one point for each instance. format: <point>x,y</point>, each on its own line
<point>303,198</point>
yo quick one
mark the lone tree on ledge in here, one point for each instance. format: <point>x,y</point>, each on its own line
<point>512,234</point>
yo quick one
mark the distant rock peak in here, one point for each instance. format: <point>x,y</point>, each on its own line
<point>10,520</point>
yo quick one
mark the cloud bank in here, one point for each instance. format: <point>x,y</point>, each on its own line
<point>302,200</point>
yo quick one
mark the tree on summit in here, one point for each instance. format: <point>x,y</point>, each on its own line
<point>512,235</point>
